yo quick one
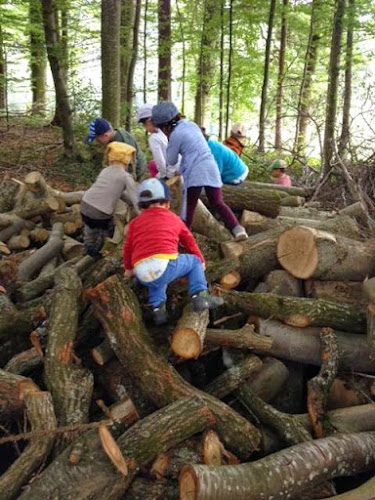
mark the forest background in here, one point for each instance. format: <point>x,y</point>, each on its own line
<point>299,73</point>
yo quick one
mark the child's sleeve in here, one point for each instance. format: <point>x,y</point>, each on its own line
<point>173,148</point>
<point>127,250</point>
<point>158,156</point>
<point>187,240</point>
<point>129,194</point>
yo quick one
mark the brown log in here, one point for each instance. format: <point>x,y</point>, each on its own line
<point>269,380</point>
<point>244,338</point>
<point>19,242</point>
<point>188,337</point>
<point>290,190</point>
<point>4,250</point>
<point>369,294</point>
<point>292,201</point>
<point>231,280</point>
<point>41,416</point>
<point>212,449</point>
<point>280,282</point>
<point>232,378</point>
<point>319,386</point>
<point>70,385</point>
<point>306,213</point>
<point>265,202</point>
<point>13,389</point>
<point>13,229</point>
<point>349,292</point>
<point>349,390</point>
<point>310,253</point>
<point>39,235</point>
<point>36,207</point>
<point>302,345</point>
<point>363,492</point>
<point>308,465</point>
<point>70,197</point>
<point>118,310</point>
<point>24,362</point>
<point>95,477</point>
<point>49,267</point>
<point>72,248</point>
<point>296,311</point>
<point>8,192</point>
<point>35,182</point>
<point>210,248</point>
<point>36,261</point>
<point>102,353</point>
<point>144,489</point>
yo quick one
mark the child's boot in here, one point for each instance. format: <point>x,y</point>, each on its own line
<point>160,314</point>
<point>203,300</point>
<point>239,233</point>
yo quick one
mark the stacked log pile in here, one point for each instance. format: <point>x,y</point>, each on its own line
<point>268,397</point>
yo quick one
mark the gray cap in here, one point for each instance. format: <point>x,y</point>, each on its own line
<point>152,190</point>
<point>164,113</point>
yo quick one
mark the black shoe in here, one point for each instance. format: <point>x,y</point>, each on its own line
<point>160,314</point>
<point>203,300</point>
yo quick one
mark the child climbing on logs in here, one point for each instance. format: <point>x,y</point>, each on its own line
<point>98,202</point>
<point>150,252</point>
<point>277,172</point>
<point>198,166</point>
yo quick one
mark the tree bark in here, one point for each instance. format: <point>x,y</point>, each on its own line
<point>221,77</point>
<point>164,51</point>
<point>13,389</point>
<point>310,253</point>
<point>348,292</point>
<point>263,102</point>
<point>296,311</point>
<point>38,58</point>
<point>333,81</point>
<point>369,291</point>
<point>345,128</point>
<point>363,492</point>
<point>244,338</point>
<point>36,261</point>
<point>133,60</point>
<point>229,69</point>
<point>3,73</point>
<point>126,47</point>
<point>207,59</point>
<point>302,345</point>
<point>110,57</point>
<point>143,442</point>
<point>24,362</point>
<point>291,190</point>
<point>265,202</point>
<point>280,77</point>
<point>307,464</point>
<point>159,381</point>
<point>59,76</point>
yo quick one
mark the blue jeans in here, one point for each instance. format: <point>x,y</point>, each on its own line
<point>185,265</point>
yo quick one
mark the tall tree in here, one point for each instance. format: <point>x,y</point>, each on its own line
<point>280,77</point>
<point>145,51</point>
<point>110,57</point>
<point>133,61</point>
<point>303,108</point>
<point>126,47</point>
<point>3,76</point>
<point>221,77</point>
<point>207,59</point>
<point>164,51</point>
<point>183,55</point>
<point>38,58</point>
<point>333,79</point>
<point>345,130</point>
<point>263,104</point>
<point>51,30</point>
<point>230,59</point>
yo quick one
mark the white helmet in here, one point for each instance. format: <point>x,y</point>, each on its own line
<point>144,112</point>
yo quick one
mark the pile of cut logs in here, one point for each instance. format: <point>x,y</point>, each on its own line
<point>268,397</point>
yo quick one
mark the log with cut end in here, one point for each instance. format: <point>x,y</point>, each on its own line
<point>36,261</point>
<point>24,362</point>
<point>303,346</point>
<point>102,353</point>
<point>244,338</point>
<point>292,201</point>
<point>13,389</point>
<point>188,337</point>
<point>40,414</point>
<point>70,385</point>
<point>36,207</point>
<point>349,292</point>
<point>118,310</point>
<point>72,248</point>
<point>14,228</point>
<point>39,235</point>
<point>228,381</point>
<point>310,253</point>
<point>70,197</point>
<point>19,242</point>
<point>143,442</point>
<point>265,202</point>
<point>269,380</point>
<point>296,311</point>
<point>285,474</point>
<point>205,223</point>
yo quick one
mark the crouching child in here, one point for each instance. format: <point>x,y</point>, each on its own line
<point>150,252</point>
<point>98,203</point>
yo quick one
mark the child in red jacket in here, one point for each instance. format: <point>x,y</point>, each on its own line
<point>151,251</point>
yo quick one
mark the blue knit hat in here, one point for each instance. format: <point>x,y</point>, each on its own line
<point>163,113</point>
<point>97,127</point>
<point>152,190</point>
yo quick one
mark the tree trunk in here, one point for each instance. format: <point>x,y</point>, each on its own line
<point>221,78</point>
<point>345,129</point>
<point>144,441</point>
<point>38,58</point>
<point>327,458</point>
<point>310,253</point>
<point>188,336</point>
<point>333,81</point>
<point>303,110</point>
<point>110,57</point>
<point>296,311</point>
<point>347,292</point>
<point>59,76</point>
<point>291,190</point>
<point>159,381</point>
<point>164,51</point>
<point>263,103</point>
<point>3,73</point>
<point>229,70</point>
<point>369,292</point>
<point>133,60</point>
<point>266,202</point>
<point>145,51</point>
<point>207,60</point>
<point>280,78</point>
<point>302,345</point>
<point>126,47</point>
